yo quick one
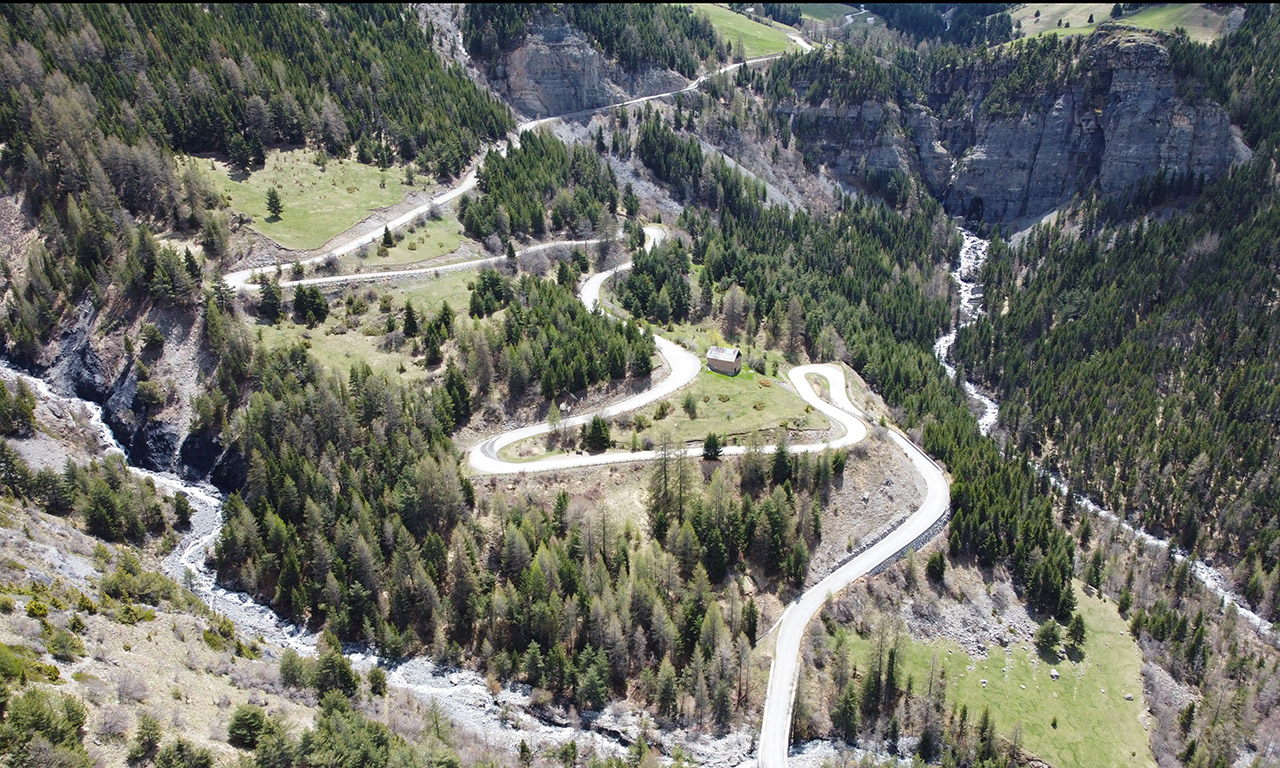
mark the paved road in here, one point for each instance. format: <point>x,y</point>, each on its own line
<point>775,731</point>
<point>684,366</point>
<point>241,279</point>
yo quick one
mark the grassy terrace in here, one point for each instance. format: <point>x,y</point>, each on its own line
<point>1201,23</point>
<point>1096,726</point>
<point>318,203</point>
<point>733,407</point>
<point>825,12</point>
<point>342,340</point>
<point>427,242</point>
<point>757,39</point>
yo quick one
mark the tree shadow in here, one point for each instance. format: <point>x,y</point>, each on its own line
<point>1049,657</point>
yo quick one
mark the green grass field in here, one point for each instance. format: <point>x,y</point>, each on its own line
<point>318,204</point>
<point>338,351</point>
<point>757,39</point>
<point>429,241</point>
<point>825,12</point>
<point>1201,23</point>
<point>1095,729</point>
<point>733,407</point>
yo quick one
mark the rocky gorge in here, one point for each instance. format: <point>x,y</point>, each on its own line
<point>1002,140</point>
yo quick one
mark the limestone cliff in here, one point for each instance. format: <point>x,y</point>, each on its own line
<point>556,71</point>
<point>1115,121</point>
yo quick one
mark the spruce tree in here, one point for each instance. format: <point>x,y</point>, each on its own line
<point>269,307</point>
<point>274,206</point>
<point>410,320</point>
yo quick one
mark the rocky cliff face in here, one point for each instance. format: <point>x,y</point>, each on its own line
<point>1119,121</point>
<point>85,361</point>
<point>556,71</point>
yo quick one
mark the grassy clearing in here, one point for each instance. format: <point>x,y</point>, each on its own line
<point>430,241</point>
<point>342,340</point>
<point>1077,14</point>
<point>318,203</point>
<point>757,39</point>
<point>1096,726</point>
<point>825,12</point>
<point>1201,23</point>
<point>733,407</point>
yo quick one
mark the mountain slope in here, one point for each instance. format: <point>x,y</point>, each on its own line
<point>1009,134</point>
<point>1142,359</point>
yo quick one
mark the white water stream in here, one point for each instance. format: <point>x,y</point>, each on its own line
<point>499,721</point>
<point>502,721</point>
<point>973,254</point>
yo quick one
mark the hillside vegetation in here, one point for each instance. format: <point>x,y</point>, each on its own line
<point>1139,359</point>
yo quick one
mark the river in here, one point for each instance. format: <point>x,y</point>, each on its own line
<point>500,721</point>
<point>967,274</point>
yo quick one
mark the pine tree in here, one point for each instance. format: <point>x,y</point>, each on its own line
<point>781,471</point>
<point>387,242</point>
<point>410,321</point>
<point>845,716</point>
<point>269,306</point>
<point>1076,631</point>
<point>596,435</point>
<point>274,207</point>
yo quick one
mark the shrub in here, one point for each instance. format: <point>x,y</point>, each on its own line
<point>183,754</point>
<point>150,393</point>
<point>64,646</point>
<point>131,687</point>
<point>662,411</point>
<point>37,609</point>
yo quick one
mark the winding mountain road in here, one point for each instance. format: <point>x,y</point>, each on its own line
<point>242,279</point>
<point>775,731</point>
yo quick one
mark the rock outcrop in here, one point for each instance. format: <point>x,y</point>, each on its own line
<point>556,71</point>
<point>1118,121</point>
<point>78,368</point>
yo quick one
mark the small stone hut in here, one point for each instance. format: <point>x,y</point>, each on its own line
<point>725,360</point>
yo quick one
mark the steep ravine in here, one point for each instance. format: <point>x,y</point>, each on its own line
<point>501,720</point>
<point>972,256</point>
<point>1117,121</point>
